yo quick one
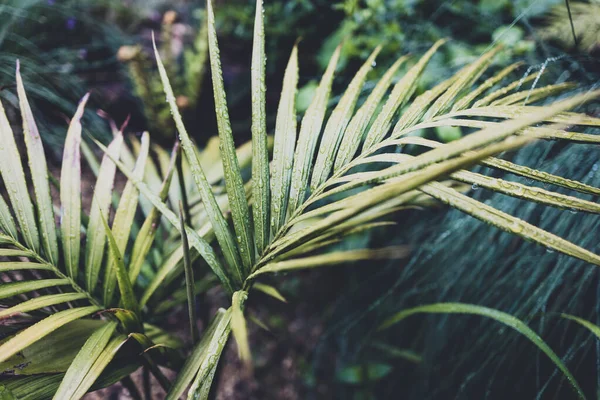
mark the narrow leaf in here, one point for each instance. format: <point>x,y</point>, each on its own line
<point>145,238</point>
<point>233,177</point>
<point>7,223</point>
<point>205,355</point>
<point>70,193</point>
<point>81,366</point>
<point>40,302</point>
<point>328,259</point>
<point>127,296</point>
<point>504,318</point>
<point>260,154</point>
<point>15,288</point>
<point>96,236</point>
<point>124,217</point>
<point>39,175</point>
<point>285,140</point>
<point>269,290</point>
<point>13,176</point>
<point>103,358</point>
<point>37,331</point>
<point>507,222</point>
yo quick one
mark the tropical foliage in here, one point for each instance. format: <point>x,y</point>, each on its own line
<point>80,296</point>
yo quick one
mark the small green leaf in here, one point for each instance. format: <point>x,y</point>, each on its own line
<point>335,258</point>
<point>7,223</point>
<point>269,290</point>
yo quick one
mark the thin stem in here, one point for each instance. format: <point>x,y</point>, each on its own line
<point>571,21</point>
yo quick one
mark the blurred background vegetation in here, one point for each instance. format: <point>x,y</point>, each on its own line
<point>70,47</point>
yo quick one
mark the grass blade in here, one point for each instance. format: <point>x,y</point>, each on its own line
<point>38,330</point>
<point>233,178</point>
<point>285,140</point>
<point>504,318</point>
<point>13,176</point>
<point>124,216</point>
<point>70,193</point>
<point>222,232</point>
<point>238,326</point>
<point>260,155</point>
<point>189,278</point>
<point>125,288</point>
<point>595,329</point>
<point>83,362</point>
<point>96,236</point>
<point>310,131</point>
<point>337,123</point>
<point>39,175</point>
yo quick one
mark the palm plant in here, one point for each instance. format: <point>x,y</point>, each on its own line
<point>294,207</point>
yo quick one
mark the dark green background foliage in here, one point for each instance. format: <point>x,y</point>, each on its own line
<point>69,47</point>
